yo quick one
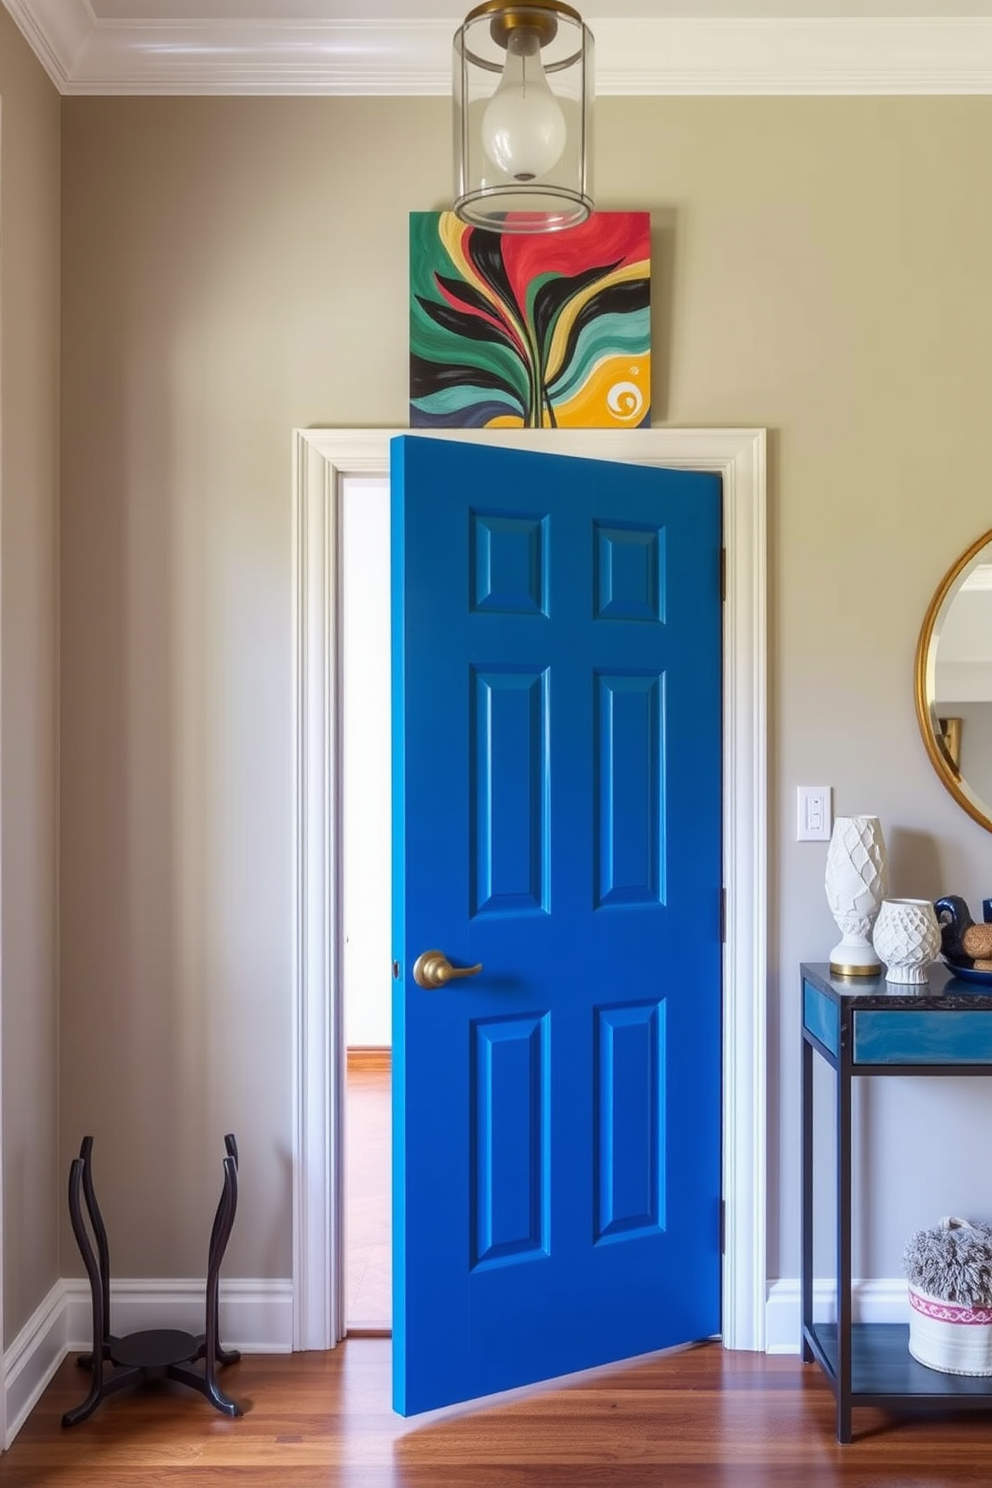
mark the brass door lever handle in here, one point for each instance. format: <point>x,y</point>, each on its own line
<point>432,969</point>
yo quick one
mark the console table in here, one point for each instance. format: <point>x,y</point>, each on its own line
<point>865,1026</point>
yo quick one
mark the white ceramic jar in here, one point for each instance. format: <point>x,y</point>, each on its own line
<point>907,939</point>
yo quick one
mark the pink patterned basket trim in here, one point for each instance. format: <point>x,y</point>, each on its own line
<point>950,1312</point>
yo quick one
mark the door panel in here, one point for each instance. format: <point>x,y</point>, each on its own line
<point>557,811</point>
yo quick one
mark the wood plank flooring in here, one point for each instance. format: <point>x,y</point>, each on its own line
<point>363,1057</point>
<point>699,1418</point>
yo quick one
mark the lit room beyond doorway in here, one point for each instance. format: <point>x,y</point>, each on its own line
<point>367,965</point>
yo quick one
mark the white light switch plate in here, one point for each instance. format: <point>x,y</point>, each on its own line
<point>814,816</point>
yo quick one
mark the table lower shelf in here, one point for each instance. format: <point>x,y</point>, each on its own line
<point>155,1348</point>
<point>884,1373</point>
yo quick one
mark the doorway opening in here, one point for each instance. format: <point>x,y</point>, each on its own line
<point>364,613</point>
<point>326,462</point>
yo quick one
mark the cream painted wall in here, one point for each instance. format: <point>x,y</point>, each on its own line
<point>235,267</point>
<point>29,312</point>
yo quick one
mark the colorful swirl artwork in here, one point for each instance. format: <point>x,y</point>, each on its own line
<point>550,330</point>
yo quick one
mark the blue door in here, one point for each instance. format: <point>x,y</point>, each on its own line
<point>557,818</point>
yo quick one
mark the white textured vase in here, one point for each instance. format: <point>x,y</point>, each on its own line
<point>907,937</point>
<point>856,881</point>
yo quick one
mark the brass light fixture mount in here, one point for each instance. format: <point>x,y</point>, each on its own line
<point>506,20</point>
<point>539,20</point>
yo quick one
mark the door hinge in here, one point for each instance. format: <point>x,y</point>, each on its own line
<point>723,573</point>
<point>723,1227</point>
<point>723,917</point>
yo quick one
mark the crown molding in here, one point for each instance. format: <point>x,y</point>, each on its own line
<point>83,55</point>
<point>789,56</point>
<point>56,34</point>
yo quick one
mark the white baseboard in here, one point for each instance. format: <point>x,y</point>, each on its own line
<point>883,1300</point>
<point>32,1359</point>
<point>255,1317</point>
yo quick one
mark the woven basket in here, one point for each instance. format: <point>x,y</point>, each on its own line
<point>949,1336</point>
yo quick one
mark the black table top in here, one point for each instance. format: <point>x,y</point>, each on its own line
<point>942,990</point>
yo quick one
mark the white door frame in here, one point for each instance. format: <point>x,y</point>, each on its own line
<point>324,461</point>
<point>3,1373</point>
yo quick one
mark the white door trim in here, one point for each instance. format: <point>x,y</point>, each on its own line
<point>324,459</point>
<point>3,1385</point>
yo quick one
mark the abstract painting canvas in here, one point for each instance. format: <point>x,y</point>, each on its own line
<point>534,331</point>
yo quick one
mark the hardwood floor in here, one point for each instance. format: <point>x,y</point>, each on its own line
<point>362,1057</point>
<point>699,1418</point>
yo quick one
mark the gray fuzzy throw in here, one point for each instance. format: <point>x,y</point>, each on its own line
<point>952,1261</point>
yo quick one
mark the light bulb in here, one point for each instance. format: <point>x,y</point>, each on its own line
<point>523,127</point>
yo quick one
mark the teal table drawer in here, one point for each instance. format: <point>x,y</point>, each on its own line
<point>925,1037</point>
<point>821,1017</point>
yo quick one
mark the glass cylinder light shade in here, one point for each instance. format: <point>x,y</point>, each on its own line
<point>522,112</point>
<point>856,881</point>
<point>907,937</point>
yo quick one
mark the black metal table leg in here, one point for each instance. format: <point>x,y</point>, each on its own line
<point>844,1305</point>
<point>806,1284</point>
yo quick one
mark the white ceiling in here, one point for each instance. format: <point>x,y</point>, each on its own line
<point>404,46</point>
<point>410,10</point>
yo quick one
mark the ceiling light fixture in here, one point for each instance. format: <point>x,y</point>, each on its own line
<point>523,89</point>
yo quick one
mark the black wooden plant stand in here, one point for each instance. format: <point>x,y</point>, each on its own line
<point>156,1353</point>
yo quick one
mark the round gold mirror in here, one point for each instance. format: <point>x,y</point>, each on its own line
<point>954,681</point>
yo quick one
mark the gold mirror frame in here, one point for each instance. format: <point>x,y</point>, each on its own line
<point>942,736</point>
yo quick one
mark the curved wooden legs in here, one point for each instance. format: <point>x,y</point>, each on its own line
<point>219,1236</point>
<point>99,1282</point>
<point>208,1345</point>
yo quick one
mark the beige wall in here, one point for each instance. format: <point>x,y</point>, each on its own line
<point>29,307</point>
<point>237,267</point>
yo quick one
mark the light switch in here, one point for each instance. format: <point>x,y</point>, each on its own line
<point>814,816</point>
